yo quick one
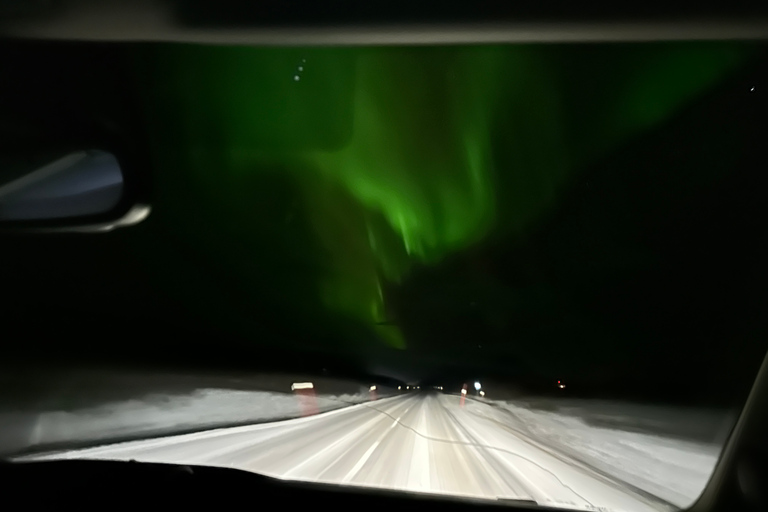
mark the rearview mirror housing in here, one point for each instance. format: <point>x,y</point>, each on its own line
<point>66,191</point>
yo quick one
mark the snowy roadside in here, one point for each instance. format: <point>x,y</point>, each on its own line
<point>161,414</point>
<point>673,469</point>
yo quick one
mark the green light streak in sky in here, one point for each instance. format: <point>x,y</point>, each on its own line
<point>420,153</point>
<point>403,156</point>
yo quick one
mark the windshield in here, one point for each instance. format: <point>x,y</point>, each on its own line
<point>545,258</point>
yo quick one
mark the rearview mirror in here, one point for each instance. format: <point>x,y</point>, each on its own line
<point>76,191</point>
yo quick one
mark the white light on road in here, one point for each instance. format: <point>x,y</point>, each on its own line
<point>301,385</point>
<point>399,387</point>
<point>463,391</point>
<point>477,386</point>
<point>373,388</point>
<point>482,393</point>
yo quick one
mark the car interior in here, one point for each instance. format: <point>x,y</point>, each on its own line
<point>138,237</point>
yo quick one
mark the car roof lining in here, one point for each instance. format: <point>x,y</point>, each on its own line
<point>345,22</point>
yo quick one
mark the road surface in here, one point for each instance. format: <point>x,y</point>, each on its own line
<point>422,442</point>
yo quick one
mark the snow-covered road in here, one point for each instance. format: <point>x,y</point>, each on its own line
<point>423,442</point>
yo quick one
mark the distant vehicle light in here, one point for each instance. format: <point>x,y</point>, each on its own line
<point>373,388</point>
<point>562,386</point>
<point>482,393</point>
<point>301,385</point>
<point>463,391</point>
<point>399,387</point>
<point>477,386</point>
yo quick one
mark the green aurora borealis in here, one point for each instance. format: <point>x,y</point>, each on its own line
<point>321,193</point>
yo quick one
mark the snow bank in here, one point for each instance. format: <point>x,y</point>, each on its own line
<point>161,414</point>
<point>673,469</point>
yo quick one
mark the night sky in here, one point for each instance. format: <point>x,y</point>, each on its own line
<point>592,213</point>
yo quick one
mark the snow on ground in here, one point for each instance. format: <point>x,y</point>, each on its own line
<point>634,445</point>
<point>673,469</point>
<point>165,414</point>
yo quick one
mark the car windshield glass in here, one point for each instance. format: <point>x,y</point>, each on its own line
<point>545,259</point>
